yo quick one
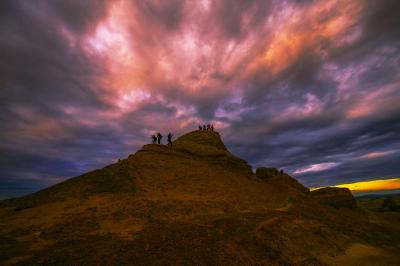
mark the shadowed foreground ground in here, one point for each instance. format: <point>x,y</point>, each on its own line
<point>192,204</point>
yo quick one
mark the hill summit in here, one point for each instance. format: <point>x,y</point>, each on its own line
<point>192,203</point>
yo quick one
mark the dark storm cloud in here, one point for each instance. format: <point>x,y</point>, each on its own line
<point>309,86</point>
<point>39,68</point>
<point>354,170</point>
<point>381,20</point>
<point>326,135</point>
<point>334,132</point>
<point>41,74</point>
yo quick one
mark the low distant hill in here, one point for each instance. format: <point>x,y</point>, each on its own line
<point>380,202</point>
<point>194,203</point>
<point>376,195</point>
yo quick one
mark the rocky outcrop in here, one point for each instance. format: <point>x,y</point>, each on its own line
<point>334,196</point>
<point>265,172</point>
<point>208,146</point>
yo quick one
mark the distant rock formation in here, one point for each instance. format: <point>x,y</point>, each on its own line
<point>334,196</point>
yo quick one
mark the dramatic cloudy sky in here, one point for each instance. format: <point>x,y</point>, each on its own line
<point>312,87</point>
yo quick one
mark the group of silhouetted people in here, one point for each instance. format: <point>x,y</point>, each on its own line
<point>209,127</point>
<point>156,138</point>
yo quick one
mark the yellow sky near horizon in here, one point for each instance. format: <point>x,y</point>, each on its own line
<point>371,185</point>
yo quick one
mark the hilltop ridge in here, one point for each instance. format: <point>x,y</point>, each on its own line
<point>192,203</point>
<point>198,147</point>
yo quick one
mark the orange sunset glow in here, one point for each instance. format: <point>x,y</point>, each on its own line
<point>370,185</point>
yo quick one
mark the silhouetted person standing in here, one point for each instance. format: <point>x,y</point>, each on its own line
<point>159,137</point>
<point>200,128</point>
<point>204,127</point>
<point>212,127</point>
<point>169,139</point>
<point>208,127</point>
<point>154,138</point>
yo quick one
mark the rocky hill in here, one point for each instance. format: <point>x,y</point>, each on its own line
<point>334,196</point>
<point>194,203</point>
